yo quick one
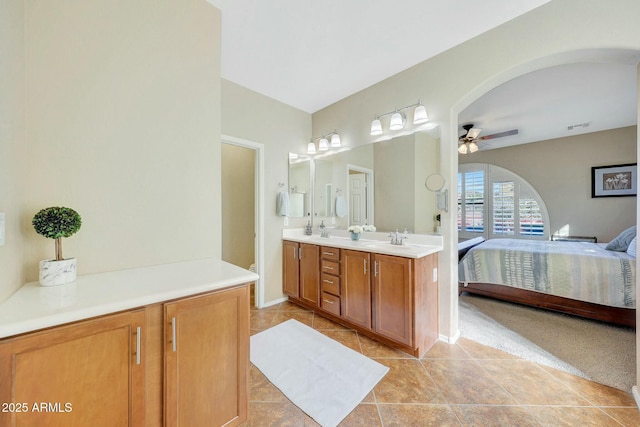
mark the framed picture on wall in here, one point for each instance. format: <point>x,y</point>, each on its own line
<point>614,180</point>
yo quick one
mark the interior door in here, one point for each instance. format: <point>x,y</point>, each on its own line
<point>357,199</point>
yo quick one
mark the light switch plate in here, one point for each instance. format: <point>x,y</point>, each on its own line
<point>2,228</point>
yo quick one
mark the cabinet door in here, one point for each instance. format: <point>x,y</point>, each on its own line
<point>393,298</point>
<point>88,373</point>
<point>310,274</point>
<point>207,359</point>
<point>356,287</point>
<point>290,269</point>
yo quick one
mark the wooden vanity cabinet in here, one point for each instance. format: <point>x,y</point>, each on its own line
<point>393,292</point>
<point>330,280</point>
<point>356,287</point>
<point>206,359</point>
<point>179,363</point>
<point>88,373</point>
<point>301,272</point>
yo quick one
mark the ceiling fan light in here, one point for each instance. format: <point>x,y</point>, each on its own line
<point>311,148</point>
<point>397,121</point>
<point>420,115</point>
<point>323,145</point>
<point>376,127</point>
<point>473,147</point>
<point>335,140</point>
<point>462,149</point>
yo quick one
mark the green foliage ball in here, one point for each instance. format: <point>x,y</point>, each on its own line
<point>56,222</point>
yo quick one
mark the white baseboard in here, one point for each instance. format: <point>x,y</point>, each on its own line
<point>274,302</point>
<point>448,339</point>
<point>636,394</point>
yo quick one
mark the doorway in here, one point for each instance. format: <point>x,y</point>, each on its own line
<point>243,208</point>
<point>360,195</point>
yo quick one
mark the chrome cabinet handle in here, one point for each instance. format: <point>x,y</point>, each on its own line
<point>327,301</point>
<point>138,344</point>
<point>328,281</point>
<point>365,266</point>
<point>328,268</point>
<point>328,253</point>
<point>375,268</point>
<point>174,345</point>
<point>295,253</point>
<point>300,253</point>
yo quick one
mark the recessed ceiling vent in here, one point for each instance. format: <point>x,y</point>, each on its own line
<point>579,125</point>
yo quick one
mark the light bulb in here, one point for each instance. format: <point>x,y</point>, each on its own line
<point>311,148</point>
<point>323,145</point>
<point>462,149</point>
<point>473,147</point>
<point>376,127</point>
<point>335,140</point>
<point>397,121</point>
<point>420,115</point>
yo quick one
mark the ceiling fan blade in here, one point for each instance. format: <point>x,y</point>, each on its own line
<point>499,134</point>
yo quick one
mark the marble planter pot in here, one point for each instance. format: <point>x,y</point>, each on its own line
<point>54,272</point>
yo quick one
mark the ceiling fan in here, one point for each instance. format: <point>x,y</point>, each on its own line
<point>468,141</point>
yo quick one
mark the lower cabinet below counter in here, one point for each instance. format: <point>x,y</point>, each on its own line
<point>390,298</point>
<point>179,363</point>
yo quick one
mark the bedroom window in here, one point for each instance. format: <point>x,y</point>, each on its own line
<point>504,201</point>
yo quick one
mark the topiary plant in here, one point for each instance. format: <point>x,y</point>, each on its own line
<point>56,223</point>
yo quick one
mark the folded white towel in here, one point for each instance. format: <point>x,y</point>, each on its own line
<point>341,206</point>
<point>282,203</point>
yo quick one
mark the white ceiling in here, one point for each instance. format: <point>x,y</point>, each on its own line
<point>310,54</point>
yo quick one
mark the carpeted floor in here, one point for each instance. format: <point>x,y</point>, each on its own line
<point>598,351</point>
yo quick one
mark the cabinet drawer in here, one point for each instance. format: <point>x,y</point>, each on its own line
<point>330,284</point>
<point>331,303</point>
<point>331,267</point>
<point>329,253</point>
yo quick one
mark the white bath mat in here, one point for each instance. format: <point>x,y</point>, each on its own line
<point>319,375</point>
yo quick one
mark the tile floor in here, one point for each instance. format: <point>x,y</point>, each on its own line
<point>466,384</point>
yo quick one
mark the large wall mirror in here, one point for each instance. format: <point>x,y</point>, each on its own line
<point>380,184</point>
<point>299,186</point>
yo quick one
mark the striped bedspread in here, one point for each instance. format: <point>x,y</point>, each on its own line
<point>578,270</point>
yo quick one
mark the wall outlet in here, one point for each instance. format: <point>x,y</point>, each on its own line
<point>2,228</point>
<point>286,221</point>
<point>435,274</point>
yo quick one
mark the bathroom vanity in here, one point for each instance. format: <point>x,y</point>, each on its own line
<point>164,345</point>
<point>387,292</point>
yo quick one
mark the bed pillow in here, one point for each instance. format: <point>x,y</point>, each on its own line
<point>622,240</point>
<point>631,250</point>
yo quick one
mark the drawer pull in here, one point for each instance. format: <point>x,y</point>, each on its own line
<point>328,268</point>
<point>327,301</point>
<point>328,253</point>
<point>328,281</point>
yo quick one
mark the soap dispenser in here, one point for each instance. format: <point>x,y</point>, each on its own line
<point>308,230</point>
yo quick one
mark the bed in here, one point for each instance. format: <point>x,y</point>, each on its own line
<point>579,278</point>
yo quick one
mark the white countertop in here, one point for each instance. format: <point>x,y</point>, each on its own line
<point>34,307</point>
<point>415,246</point>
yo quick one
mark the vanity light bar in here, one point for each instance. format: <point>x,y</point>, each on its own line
<point>324,144</point>
<point>398,118</point>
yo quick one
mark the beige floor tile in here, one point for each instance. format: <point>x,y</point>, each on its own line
<point>346,338</point>
<point>495,416</point>
<point>596,394</point>
<point>529,384</point>
<point>572,416</point>
<point>320,323</point>
<point>481,351</point>
<point>261,389</point>
<point>465,382</point>
<point>443,350</point>
<point>406,382</point>
<point>629,417</point>
<point>364,415</point>
<point>277,414</point>
<point>407,415</point>
<point>305,317</point>
<point>376,350</point>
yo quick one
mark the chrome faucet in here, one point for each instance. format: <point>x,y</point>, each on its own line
<point>397,238</point>
<point>324,232</point>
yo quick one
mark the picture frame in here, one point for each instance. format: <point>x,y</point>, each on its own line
<point>614,180</point>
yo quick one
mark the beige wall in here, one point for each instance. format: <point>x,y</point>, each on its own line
<point>123,125</point>
<point>447,84</point>
<point>238,205</point>
<point>560,170</point>
<point>281,129</point>
<point>12,142</point>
